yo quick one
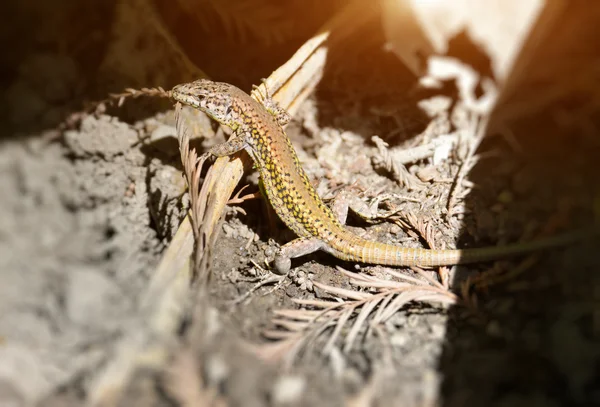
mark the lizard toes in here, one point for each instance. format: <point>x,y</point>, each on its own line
<point>282,264</point>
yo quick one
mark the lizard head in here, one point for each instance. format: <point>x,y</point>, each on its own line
<point>216,99</point>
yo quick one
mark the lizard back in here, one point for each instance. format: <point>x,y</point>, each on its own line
<point>288,188</point>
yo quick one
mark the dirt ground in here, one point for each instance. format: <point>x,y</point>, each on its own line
<point>87,210</point>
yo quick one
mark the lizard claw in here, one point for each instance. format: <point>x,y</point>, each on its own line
<point>277,262</point>
<point>205,156</point>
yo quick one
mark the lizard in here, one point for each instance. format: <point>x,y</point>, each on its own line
<point>257,128</point>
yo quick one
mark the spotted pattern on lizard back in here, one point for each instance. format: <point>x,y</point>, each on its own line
<point>287,186</point>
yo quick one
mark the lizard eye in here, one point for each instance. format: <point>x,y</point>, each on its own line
<point>228,110</point>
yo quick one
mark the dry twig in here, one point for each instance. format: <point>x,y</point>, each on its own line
<point>399,172</point>
<point>379,301</point>
<point>192,165</point>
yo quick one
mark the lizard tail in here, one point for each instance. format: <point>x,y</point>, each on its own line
<point>365,251</point>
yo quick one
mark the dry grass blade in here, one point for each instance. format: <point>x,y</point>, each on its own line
<point>424,228</point>
<point>298,314</point>
<point>279,335</point>
<point>479,129</point>
<point>400,300</point>
<point>422,286</point>
<point>430,280</point>
<point>365,280</point>
<point>277,351</point>
<point>381,284</point>
<point>399,172</point>
<point>317,303</point>
<point>293,326</point>
<point>377,317</point>
<point>342,318</point>
<point>364,313</point>
<point>131,93</point>
<point>302,340</point>
<point>404,277</point>
<point>307,326</point>
<point>192,166</point>
<point>342,292</point>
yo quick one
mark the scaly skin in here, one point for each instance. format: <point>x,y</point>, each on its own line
<point>257,128</point>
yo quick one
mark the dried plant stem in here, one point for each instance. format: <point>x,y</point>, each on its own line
<point>192,165</point>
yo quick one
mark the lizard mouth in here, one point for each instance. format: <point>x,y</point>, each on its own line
<point>190,100</point>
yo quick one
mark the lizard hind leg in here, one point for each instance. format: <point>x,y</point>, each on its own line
<point>296,248</point>
<point>302,246</point>
<point>347,199</point>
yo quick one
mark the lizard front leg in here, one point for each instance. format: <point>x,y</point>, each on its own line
<point>279,113</point>
<point>237,142</point>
